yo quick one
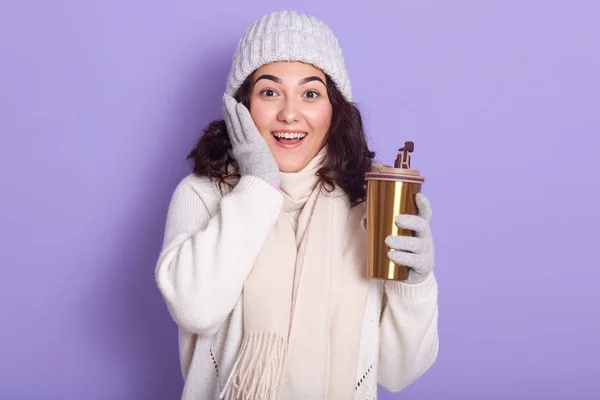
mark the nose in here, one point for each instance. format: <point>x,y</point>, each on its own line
<point>289,112</point>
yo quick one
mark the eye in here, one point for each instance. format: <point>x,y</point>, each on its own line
<point>312,94</point>
<point>268,92</point>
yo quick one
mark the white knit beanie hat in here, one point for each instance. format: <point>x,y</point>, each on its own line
<point>289,36</point>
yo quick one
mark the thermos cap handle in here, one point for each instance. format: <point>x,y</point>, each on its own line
<point>403,158</point>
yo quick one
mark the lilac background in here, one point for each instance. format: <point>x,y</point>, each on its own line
<point>100,102</point>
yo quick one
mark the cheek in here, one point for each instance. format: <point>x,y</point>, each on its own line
<point>320,120</point>
<point>263,116</point>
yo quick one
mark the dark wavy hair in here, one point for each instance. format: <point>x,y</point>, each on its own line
<point>347,159</point>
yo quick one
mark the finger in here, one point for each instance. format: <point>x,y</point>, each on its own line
<point>406,243</point>
<point>424,206</point>
<point>231,116</point>
<point>248,125</point>
<point>227,119</point>
<point>410,260</point>
<point>415,223</point>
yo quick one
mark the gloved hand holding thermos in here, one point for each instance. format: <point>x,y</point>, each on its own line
<point>398,214</point>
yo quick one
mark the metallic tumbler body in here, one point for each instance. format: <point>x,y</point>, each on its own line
<point>390,192</point>
<point>386,200</point>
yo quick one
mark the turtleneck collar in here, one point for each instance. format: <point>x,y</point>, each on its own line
<point>297,186</point>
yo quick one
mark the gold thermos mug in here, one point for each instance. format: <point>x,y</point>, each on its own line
<point>390,192</point>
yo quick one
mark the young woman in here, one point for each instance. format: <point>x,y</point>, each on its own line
<point>263,265</point>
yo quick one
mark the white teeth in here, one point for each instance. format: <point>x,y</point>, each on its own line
<point>290,135</point>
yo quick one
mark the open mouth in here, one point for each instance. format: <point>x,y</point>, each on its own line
<point>289,138</point>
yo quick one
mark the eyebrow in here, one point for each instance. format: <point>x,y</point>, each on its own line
<point>278,80</point>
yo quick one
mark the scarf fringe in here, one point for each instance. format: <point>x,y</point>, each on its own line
<point>258,370</point>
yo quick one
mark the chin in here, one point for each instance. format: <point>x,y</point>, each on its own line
<point>290,166</point>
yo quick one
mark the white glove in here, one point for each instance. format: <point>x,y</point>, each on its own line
<point>249,148</point>
<point>416,252</point>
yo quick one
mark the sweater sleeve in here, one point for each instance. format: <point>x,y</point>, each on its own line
<point>408,332</point>
<point>205,259</point>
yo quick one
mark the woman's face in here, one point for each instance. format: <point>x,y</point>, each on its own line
<point>290,107</point>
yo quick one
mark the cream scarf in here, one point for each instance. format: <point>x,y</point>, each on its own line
<point>303,302</point>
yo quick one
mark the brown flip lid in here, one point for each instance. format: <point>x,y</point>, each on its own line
<point>401,170</point>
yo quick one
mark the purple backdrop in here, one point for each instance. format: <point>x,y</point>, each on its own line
<point>100,102</point>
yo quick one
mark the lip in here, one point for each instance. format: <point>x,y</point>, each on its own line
<point>288,130</point>
<point>289,146</point>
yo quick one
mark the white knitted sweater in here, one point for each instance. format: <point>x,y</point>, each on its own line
<point>210,244</point>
